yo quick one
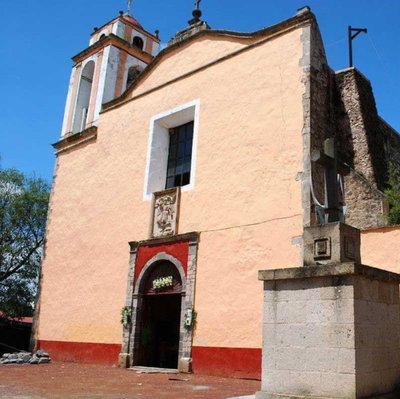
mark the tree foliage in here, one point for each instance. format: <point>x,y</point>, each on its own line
<point>23,210</point>
<point>393,195</point>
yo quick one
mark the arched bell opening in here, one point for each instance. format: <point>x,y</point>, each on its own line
<point>138,42</point>
<point>160,301</point>
<point>83,98</point>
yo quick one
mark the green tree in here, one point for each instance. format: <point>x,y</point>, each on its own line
<point>23,210</point>
<point>393,195</point>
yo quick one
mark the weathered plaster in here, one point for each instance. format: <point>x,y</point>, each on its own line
<point>111,74</point>
<point>187,58</point>
<point>130,62</point>
<point>246,203</point>
<point>379,248</point>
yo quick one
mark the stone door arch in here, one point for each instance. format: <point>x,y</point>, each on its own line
<point>160,301</point>
<point>140,288</point>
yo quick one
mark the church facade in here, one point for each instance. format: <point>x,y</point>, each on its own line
<point>179,174</point>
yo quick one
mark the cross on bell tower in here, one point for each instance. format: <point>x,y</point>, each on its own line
<point>129,6</point>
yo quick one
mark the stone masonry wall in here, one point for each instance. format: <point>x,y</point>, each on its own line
<point>317,115</point>
<point>342,106</point>
<point>367,144</point>
<point>333,336</point>
<point>391,142</point>
<point>321,115</point>
<point>362,120</point>
<point>309,338</point>
<point>366,206</point>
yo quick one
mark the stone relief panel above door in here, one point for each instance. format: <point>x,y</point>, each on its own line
<point>165,213</point>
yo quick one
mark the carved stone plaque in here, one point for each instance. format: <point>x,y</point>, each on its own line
<point>349,247</point>
<point>165,213</point>
<point>322,248</point>
<point>331,243</point>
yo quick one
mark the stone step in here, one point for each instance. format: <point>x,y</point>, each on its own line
<point>153,370</point>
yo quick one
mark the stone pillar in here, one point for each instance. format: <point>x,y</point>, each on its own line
<point>331,328</point>
<point>124,358</point>
<point>330,332</point>
<point>186,334</point>
<point>331,243</point>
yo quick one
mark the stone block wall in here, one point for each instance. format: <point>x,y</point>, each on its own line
<point>330,332</point>
<point>377,329</point>
<point>309,338</point>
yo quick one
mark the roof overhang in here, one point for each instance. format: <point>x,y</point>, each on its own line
<point>115,41</point>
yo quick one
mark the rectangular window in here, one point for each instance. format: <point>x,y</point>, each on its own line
<point>179,155</point>
<point>172,149</point>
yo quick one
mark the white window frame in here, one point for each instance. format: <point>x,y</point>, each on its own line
<point>158,146</point>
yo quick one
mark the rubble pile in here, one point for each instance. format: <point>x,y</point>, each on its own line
<point>40,357</point>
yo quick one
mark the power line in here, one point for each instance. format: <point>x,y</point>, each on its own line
<point>251,224</point>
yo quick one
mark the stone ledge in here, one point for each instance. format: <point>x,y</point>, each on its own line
<point>339,269</point>
<point>270,395</point>
<point>267,395</point>
<point>116,41</point>
<point>193,237</point>
<point>70,141</point>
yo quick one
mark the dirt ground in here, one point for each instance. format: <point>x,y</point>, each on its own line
<point>72,380</point>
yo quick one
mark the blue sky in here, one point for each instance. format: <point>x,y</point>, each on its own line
<point>39,37</point>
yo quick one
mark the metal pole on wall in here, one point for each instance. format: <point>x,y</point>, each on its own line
<point>353,33</point>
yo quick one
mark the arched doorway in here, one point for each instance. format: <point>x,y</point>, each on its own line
<point>160,316</point>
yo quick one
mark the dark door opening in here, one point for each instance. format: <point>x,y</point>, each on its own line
<point>159,332</point>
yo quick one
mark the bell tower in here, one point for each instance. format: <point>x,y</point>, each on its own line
<point>117,53</point>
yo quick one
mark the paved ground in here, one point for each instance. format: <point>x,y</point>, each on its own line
<point>71,380</point>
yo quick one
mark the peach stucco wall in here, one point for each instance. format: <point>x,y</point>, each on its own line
<point>189,57</point>
<point>380,248</point>
<point>246,202</point>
